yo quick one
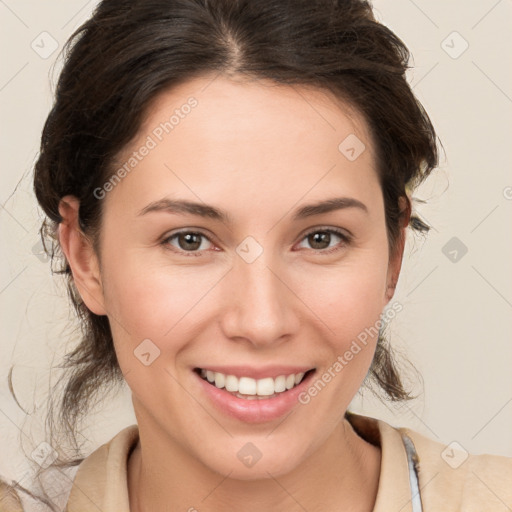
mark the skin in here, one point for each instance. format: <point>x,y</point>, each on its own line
<point>258,151</point>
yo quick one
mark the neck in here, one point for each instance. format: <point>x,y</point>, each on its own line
<point>342,475</point>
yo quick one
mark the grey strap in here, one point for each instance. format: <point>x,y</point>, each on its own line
<point>412,459</point>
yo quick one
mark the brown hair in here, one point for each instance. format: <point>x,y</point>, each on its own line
<point>131,50</point>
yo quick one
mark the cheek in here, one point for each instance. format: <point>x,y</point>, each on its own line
<point>349,297</point>
<point>155,301</point>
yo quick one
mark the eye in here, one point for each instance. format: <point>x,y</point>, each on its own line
<point>187,241</point>
<point>320,239</point>
<point>191,242</point>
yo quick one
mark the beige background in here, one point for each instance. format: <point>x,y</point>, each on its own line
<point>456,322</point>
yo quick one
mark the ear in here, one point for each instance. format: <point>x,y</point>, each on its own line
<point>81,256</point>
<point>395,262</point>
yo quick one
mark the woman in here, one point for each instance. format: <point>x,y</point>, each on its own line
<point>229,183</point>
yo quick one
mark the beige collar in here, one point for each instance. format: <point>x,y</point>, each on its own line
<point>101,480</point>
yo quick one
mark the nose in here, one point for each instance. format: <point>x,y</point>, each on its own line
<point>259,305</point>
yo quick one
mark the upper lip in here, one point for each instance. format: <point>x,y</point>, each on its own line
<point>257,373</point>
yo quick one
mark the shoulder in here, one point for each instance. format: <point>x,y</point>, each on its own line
<point>9,500</point>
<point>102,476</point>
<point>449,478</point>
<point>110,454</point>
<point>449,474</point>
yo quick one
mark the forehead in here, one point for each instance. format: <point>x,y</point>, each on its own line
<point>257,107</point>
<point>217,135</point>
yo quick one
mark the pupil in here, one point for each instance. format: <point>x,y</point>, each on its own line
<point>188,237</point>
<point>317,239</point>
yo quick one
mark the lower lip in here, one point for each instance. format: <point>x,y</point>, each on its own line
<point>257,410</point>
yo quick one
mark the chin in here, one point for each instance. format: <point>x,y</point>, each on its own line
<point>243,460</point>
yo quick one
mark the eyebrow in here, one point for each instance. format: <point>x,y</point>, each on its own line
<point>211,212</point>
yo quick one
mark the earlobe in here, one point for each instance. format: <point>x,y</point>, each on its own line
<point>395,263</point>
<point>394,267</point>
<point>81,256</point>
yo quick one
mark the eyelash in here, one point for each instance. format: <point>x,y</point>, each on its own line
<point>346,240</point>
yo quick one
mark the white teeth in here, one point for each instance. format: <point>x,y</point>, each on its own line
<point>266,387</point>
<point>252,397</point>
<point>220,380</point>
<point>280,384</point>
<point>246,387</point>
<point>290,381</point>
<point>298,377</point>
<point>231,383</point>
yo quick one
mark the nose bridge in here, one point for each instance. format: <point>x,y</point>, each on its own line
<point>259,306</point>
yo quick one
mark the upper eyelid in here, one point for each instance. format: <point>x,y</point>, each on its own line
<point>198,231</point>
<point>329,228</point>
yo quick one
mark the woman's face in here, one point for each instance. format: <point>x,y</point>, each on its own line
<point>256,286</point>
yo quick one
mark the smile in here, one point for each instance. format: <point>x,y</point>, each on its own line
<point>250,388</point>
